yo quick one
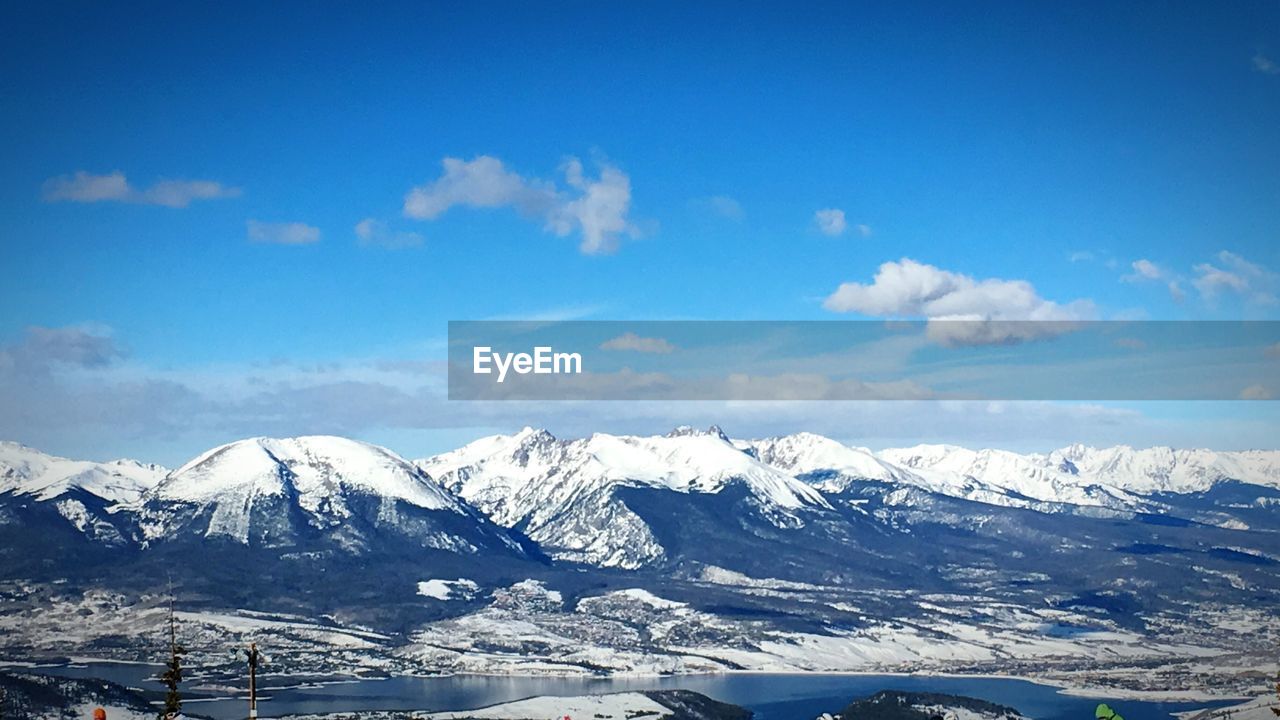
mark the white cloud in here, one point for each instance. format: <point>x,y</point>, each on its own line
<point>1147,271</point>
<point>635,343</point>
<point>599,212</point>
<point>287,233</point>
<point>1265,65</point>
<point>371,231</point>
<point>1080,256</point>
<point>84,187</point>
<point>1234,274</point>
<point>596,208</point>
<point>1144,270</point>
<point>995,310</point>
<point>724,206</point>
<point>863,230</point>
<point>481,183</point>
<point>1256,392</point>
<point>908,288</point>
<point>830,221</point>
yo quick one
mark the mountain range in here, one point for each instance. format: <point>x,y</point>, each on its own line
<point>686,551</point>
<point>604,501</point>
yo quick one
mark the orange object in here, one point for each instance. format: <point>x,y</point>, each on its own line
<point>99,714</point>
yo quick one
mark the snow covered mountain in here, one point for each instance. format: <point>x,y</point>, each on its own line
<point>609,501</point>
<point>84,494</point>
<point>1000,477</point>
<point>26,471</point>
<point>1118,477</point>
<point>568,495</point>
<point>298,492</point>
<point>807,453</point>
<point>1166,470</point>
<point>577,498</point>
<point>744,546</point>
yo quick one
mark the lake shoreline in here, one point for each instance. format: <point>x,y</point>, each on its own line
<point>1064,687</point>
<point>775,695</point>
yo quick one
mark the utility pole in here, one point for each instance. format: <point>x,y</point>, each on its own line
<point>254,657</point>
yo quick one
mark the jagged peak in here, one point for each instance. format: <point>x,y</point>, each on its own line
<point>530,434</point>
<point>691,431</point>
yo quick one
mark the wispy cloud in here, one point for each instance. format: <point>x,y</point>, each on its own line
<point>635,343</point>
<point>84,187</point>
<point>1235,275</point>
<point>830,221</point>
<point>282,233</point>
<point>1145,270</point>
<point>1265,65</point>
<point>723,206</point>
<point>595,208</point>
<point>553,314</point>
<point>374,232</point>
<point>1226,274</point>
<point>77,346</point>
<point>1256,392</point>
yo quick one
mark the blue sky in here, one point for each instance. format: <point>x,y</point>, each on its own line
<point>1049,149</point>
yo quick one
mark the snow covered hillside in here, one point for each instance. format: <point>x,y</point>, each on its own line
<point>26,471</point>
<point>565,493</point>
<point>283,493</point>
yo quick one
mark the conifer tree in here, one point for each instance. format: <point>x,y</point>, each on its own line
<point>172,675</point>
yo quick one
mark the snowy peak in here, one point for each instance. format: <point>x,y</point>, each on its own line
<point>26,471</point>
<point>806,453</point>
<point>700,462</point>
<point>565,493</point>
<point>1006,478</point>
<point>693,461</point>
<point>1164,469</point>
<point>320,469</point>
<point>315,492</point>
<point>690,431</point>
<point>529,446</point>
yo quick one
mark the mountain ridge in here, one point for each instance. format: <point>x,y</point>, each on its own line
<point>594,500</point>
